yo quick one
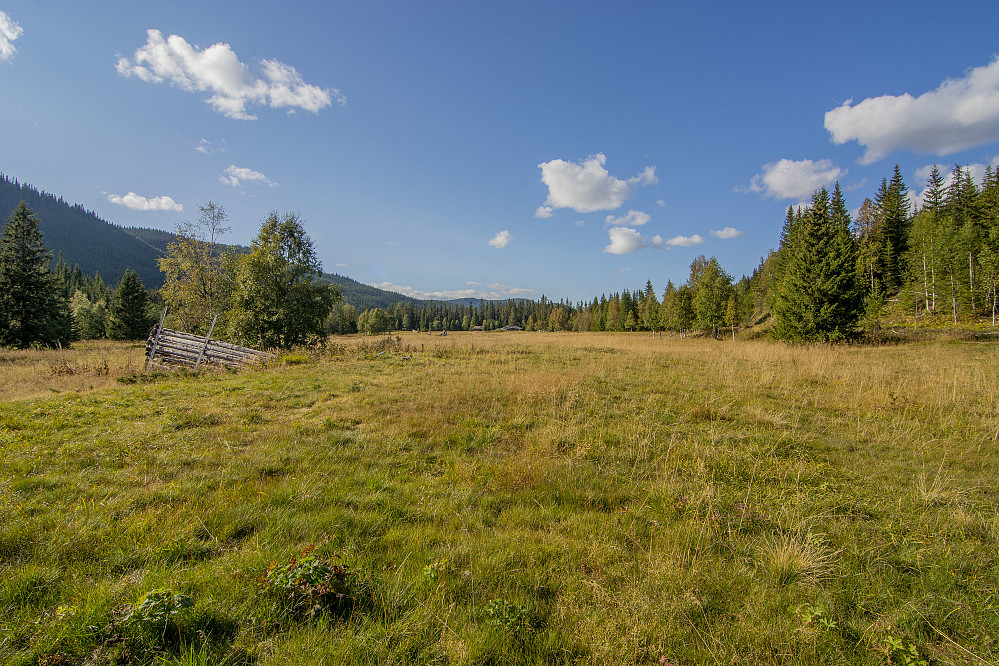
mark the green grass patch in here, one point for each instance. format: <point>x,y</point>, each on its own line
<point>552,498</point>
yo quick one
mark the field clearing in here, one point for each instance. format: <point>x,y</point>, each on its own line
<point>507,498</point>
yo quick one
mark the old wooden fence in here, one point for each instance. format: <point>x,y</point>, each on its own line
<point>166,347</point>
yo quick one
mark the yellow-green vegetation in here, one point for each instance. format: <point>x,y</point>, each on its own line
<point>88,365</point>
<point>512,498</point>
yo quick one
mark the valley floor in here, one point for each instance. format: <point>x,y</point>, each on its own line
<point>502,498</point>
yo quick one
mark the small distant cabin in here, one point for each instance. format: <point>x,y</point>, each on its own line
<point>477,328</point>
<point>510,328</point>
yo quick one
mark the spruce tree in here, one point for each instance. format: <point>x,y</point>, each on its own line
<point>892,224</point>
<point>788,234</point>
<point>933,198</point>
<point>32,307</point>
<point>127,316</point>
<point>818,298</point>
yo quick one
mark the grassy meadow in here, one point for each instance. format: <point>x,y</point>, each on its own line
<point>504,498</point>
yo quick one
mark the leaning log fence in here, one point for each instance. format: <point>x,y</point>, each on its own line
<point>169,348</point>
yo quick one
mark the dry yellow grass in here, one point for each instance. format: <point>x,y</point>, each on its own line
<point>87,365</point>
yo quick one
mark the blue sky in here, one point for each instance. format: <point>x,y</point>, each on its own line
<point>493,149</point>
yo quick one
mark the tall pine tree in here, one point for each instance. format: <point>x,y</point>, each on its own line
<point>32,307</point>
<point>894,212</point>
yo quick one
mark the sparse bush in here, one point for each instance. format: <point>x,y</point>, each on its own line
<point>154,611</point>
<point>308,586</point>
<point>514,618</point>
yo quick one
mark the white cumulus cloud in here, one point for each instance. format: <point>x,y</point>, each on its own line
<point>790,179</point>
<point>136,202</point>
<point>588,186</point>
<point>728,233</point>
<point>961,113</point>
<point>624,240</point>
<point>544,212</point>
<point>235,176</point>
<point>501,240</point>
<point>229,84</point>
<point>10,30</point>
<point>634,218</point>
<point>684,241</point>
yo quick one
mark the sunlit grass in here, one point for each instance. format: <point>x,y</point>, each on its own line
<point>88,365</point>
<point>516,498</point>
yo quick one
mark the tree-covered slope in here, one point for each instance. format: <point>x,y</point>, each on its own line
<point>82,237</point>
<point>363,296</point>
<point>97,245</point>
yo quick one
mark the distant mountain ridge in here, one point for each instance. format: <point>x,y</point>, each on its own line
<point>99,246</point>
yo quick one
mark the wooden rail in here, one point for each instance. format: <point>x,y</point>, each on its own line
<point>166,347</point>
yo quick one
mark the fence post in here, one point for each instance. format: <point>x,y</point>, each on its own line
<point>156,339</point>
<point>205,346</point>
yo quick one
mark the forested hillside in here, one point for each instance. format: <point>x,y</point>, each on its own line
<point>96,245</point>
<point>99,246</point>
<point>154,237</point>
<point>364,296</point>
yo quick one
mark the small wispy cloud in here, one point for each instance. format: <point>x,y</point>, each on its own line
<point>728,233</point>
<point>634,218</point>
<point>136,202</point>
<point>501,240</point>
<point>236,176</point>
<point>206,147</point>
<point>684,241</point>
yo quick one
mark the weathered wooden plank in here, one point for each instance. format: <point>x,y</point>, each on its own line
<point>166,346</point>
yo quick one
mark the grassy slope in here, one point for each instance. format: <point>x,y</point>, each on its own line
<point>630,500</point>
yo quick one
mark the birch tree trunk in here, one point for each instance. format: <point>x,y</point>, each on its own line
<point>953,292</point>
<point>971,279</point>
<point>926,286</point>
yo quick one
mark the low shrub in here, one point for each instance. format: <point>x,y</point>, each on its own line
<point>308,587</point>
